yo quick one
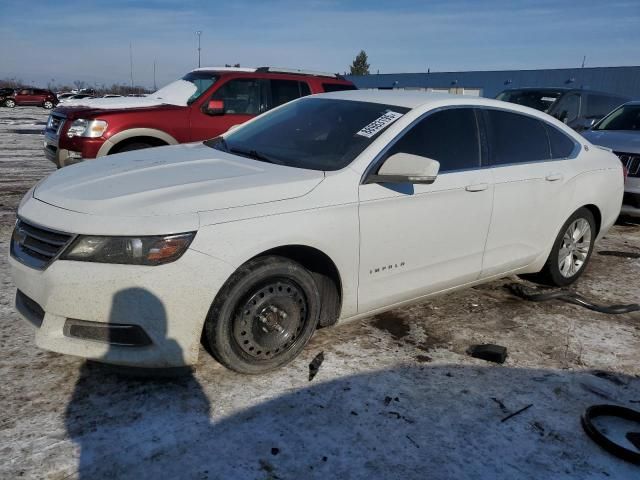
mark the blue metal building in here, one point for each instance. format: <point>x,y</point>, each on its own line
<point>621,80</point>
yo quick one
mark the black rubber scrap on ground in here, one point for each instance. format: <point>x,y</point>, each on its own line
<point>314,366</point>
<point>488,352</point>
<point>612,253</point>
<point>535,295</point>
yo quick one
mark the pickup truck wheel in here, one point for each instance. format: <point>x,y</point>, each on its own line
<point>9,103</point>
<point>48,104</point>
<point>263,316</point>
<point>571,251</point>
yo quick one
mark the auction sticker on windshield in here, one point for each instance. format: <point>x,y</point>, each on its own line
<point>379,124</point>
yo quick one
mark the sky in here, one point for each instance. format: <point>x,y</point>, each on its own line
<point>66,40</point>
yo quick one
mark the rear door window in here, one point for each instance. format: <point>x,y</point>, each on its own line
<point>241,96</point>
<point>600,105</point>
<point>283,91</point>
<point>515,138</point>
<point>449,136</point>
<point>561,144</point>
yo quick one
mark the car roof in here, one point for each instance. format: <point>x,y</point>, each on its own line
<point>419,99</point>
<point>271,70</point>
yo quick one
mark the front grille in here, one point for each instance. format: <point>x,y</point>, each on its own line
<point>36,246</point>
<point>631,161</point>
<point>55,123</point>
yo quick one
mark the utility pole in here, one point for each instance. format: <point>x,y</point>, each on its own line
<point>131,64</point>
<point>199,32</point>
<point>584,59</point>
<point>154,76</point>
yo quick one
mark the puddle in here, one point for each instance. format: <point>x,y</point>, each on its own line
<point>393,324</point>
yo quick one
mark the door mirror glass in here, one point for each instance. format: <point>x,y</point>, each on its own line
<point>214,107</point>
<point>406,168</point>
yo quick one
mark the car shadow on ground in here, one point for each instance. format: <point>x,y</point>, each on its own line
<point>412,421</point>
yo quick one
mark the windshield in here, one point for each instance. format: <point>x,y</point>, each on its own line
<point>539,99</point>
<point>626,117</point>
<point>186,90</point>
<point>313,133</point>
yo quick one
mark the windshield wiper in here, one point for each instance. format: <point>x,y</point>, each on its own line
<point>256,155</point>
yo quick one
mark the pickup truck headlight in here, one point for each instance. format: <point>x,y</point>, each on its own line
<point>87,128</point>
<point>152,250</point>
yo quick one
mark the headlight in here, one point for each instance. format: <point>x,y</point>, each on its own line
<point>155,250</point>
<point>87,128</point>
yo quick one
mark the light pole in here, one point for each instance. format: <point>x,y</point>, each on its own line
<point>199,33</point>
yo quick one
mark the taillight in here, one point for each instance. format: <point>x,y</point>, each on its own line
<point>625,172</point>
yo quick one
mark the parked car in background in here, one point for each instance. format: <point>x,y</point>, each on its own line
<point>4,94</point>
<point>62,96</point>
<point>111,95</point>
<point>333,206</point>
<point>620,131</point>
<point>203,104</point>
<point>578,108</point>
<point>32,96</point>
<point>76,96</point>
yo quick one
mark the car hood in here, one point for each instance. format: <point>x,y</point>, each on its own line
<point>616,140</point>
<point>172,180</point>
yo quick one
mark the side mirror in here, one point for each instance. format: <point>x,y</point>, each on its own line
<point>214,107</point>
<point>406,168</point>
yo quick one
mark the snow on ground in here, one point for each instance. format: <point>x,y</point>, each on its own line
<point>396,396</point>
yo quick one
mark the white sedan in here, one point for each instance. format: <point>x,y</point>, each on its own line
<point>331,207</point>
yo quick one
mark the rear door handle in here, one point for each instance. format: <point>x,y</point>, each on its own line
<point>478,187</point>
<point>553,177</point>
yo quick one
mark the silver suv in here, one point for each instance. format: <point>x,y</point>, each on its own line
<point>620,131</point>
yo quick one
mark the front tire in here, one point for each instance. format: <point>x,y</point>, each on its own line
<point>10,103</point>
<point>571,251</point>
<point>130,147</point>
<point>263,316</point>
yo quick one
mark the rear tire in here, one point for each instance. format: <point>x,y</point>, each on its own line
<point>10,103</point>
<point>571,251</point>
<point>48,104</point>
<point>264,315</point>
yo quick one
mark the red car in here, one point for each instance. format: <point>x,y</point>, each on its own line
<point>32,96</point>
<point>203,104</point>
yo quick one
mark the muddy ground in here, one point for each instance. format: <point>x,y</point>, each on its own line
<point>396,396</point>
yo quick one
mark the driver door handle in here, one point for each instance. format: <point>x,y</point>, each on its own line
<point>478,187</point>
<point>553,177</point>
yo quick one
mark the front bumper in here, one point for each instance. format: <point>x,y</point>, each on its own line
<point>631,200</point>
<point>169,303</point>
<point>80,149</point>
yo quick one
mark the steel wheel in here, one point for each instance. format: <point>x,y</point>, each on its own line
<point>268,323</point>
<point>263,316</point>
<point>576,244</point>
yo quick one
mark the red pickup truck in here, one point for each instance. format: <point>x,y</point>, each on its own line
<point>203,104</point>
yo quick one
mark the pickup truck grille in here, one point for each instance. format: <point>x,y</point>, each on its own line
<point>36,246</point>
<point>631,161</point>
<point>55,123</point>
